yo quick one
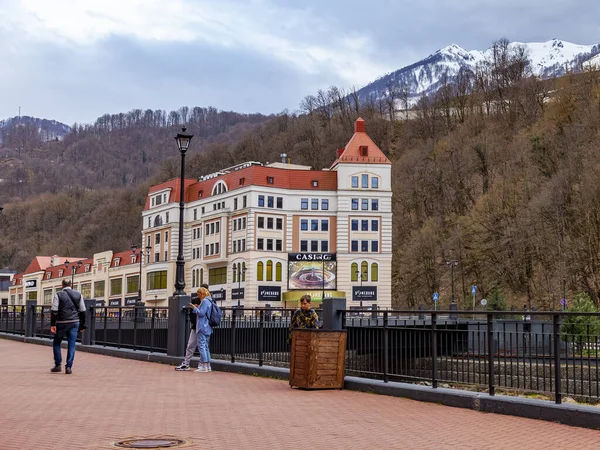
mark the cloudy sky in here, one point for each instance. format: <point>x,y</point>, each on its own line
<point>74,60</point>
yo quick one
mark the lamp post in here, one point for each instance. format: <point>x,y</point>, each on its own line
<point>183,143</point>
<point>242,273</point>
<point>141,254</point>
<point>74,267</point>
<point>452,263</point>
<point>363,275</point>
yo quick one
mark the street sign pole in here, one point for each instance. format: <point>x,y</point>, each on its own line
<point>474,293</point>
<point>435,297</point>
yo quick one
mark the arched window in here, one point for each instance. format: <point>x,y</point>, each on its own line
<point>201,277</point>
<point>354,272</point>
<point>219,188</point>
<point>278,270</point>
<point>364,271</point>
<point>259,271</point>
<point>374,272</point>
<point>235,273</point>
<point>269,270</point>
<point>158,221</point>
<point>244,272</point>
<point>193,278</point>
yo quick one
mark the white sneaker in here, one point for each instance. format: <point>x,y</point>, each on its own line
<point>201,369</point>
<point>208,368</point>
<point>182,367</point>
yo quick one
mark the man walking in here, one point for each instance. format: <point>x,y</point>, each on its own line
<point>67,318</point>
<point>192,341</point>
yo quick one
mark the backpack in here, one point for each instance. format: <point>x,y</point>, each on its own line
<point>214,320</point>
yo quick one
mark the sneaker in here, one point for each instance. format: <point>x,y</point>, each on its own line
<point>55,369</point>
<point>201,369</point>
<point>208,368</point>
<point>68,370</point>
<point>182,367</point>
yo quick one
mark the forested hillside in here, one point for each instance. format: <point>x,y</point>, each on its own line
<point>498,172</point>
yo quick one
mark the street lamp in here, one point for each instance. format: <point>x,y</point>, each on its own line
<point>363,275</point>
<point>242,273</point>
<point>452,263</point>
<point>147,253</point>
<point>183,143</point>
<point>74,267</point>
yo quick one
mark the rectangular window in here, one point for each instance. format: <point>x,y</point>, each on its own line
<point>354,225</point>
<point>270,180</point>
<point>324,225</point>
<point>244,201</point>
<point>364,225</point>
<point>364,204</point>
<point>217,251</point>
<point>167,217</point>
<point>374,246</point>
<point>212,228</point>
<point>270,245</point>
<point>374,225</point>
<point>375,204</point>
<point>375,183</point>
<point>212,249</point>
<point>324,246</point>
<point>116,286</point>
<point>157,238</point>
<point>166,255</point>
<point>269,223</point>
<point>279,224</point>
<point>303,246</point>
<point>217,275</point>
<point>261,222</point>
<point>354,204</point>
<point>314,225</point>
<point>270,202</point>
<point>278,245</point>
<point>86,290</point>
<point>304,225</point>
<point>355,182</point>
<point>304,203</point>
<point>207,230</point>
<point>243,223</point>
<point>48,296</point>
<point>99,289</point>
<point>157,257</point>
<point>217,225</point>
<point>234,204</point>
<point>234,246</point>
<point>364,246</point>
<point>280,202</point>
<point>364,181</point>
<point>314,246</point>
<point>325,204</point>
<point>261,201</point>
<point>314,204</point>
<point>195,214</point>
<point>133,284</point>
<point>235,222</point>
<point>354,246</point>
<point>206,248</point>
<point>260,244</point>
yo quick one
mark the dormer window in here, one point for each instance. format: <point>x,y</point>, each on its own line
<point>117,262</point>
<point>270,180</point>
<point>363,150</point>
<point>200,193</point>
<point>86,268</point>
<point>132,259</point>
<point>48,275</point>
<point>315,183</point>
<point>242,181</point>
<point>60,273</point>
<point>219,188</point>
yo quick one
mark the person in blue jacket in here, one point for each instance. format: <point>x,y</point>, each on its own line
<point>203,328</point>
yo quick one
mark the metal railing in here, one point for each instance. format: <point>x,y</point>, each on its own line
<point>542,353</point>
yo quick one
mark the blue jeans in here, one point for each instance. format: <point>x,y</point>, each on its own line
<point>68,330</point>
<point>203,340</point>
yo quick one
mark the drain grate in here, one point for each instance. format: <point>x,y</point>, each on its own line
<point>155,442</point>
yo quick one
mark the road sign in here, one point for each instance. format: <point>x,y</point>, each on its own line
<point>563,301</point>
<point>435,296</point>
<point>473,290</point>
<point>483,302</point>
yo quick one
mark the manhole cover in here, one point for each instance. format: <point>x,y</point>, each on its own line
<point>165,442</point>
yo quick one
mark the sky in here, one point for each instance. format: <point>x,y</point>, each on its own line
<point>74,60</point>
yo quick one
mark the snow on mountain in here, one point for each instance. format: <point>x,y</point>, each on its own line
<point>548,59</point>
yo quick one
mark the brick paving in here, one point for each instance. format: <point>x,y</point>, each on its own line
<point>107,399</point>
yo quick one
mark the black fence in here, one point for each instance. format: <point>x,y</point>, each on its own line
<point>540,353</point>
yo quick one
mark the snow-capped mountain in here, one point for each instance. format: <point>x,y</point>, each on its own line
<point>548,59</point>
<point>48,130</point>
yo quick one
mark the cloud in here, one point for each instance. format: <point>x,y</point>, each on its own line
<point>75,59</point>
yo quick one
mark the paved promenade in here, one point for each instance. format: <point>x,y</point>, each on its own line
<point>108,399</point>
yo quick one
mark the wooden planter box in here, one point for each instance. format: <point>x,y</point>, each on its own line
<point>317,359</point>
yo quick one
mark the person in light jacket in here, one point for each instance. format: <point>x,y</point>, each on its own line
<point>192,341</point>
<point>203,328</point>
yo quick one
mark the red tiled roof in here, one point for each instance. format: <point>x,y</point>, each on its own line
<point>54,270</point>
<point>41,263</point>
<point>125,257</point>
<point>172,184</point>
<point>352,154</point>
